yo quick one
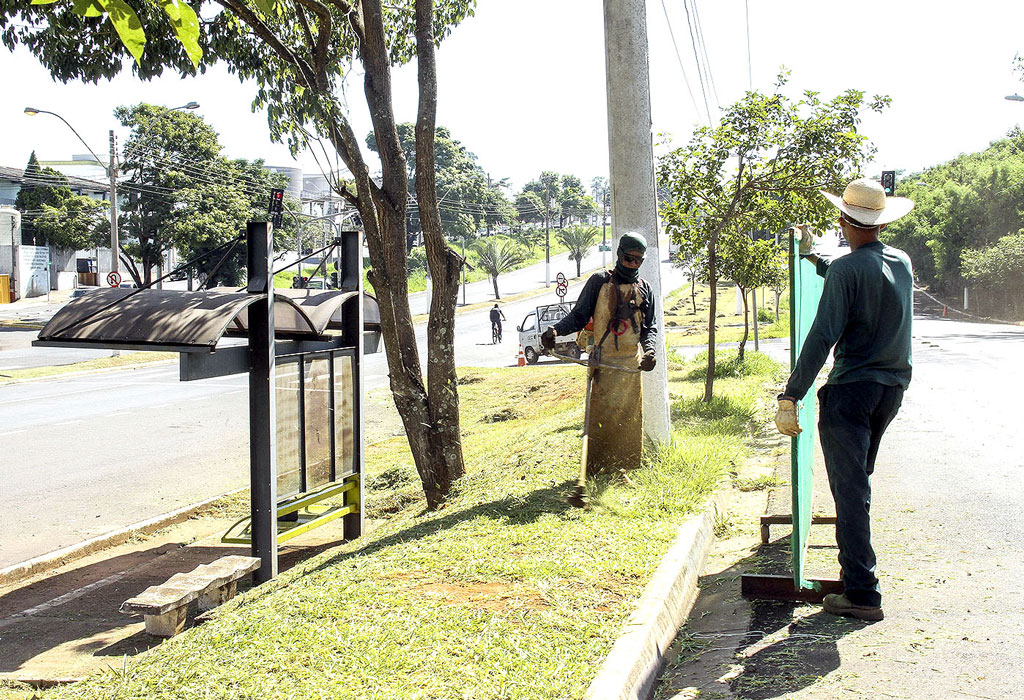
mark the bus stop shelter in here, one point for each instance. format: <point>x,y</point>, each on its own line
<point>302,350</point>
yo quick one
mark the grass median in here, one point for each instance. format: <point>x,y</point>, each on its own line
<point>506,592</point>
<point>121,361</point>
<point>686,326</point>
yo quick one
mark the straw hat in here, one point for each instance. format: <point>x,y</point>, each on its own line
<point>865,202</point>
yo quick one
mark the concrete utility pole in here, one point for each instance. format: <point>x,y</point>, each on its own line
<point>634,198</point>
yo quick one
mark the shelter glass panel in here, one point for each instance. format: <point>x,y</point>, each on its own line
<point>318,421</point>
<point>344,415</point>
<point>289,430</point>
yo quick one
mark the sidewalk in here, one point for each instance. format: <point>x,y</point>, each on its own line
<point>64,624</point>
<point>34,311</point>
<point>946,527</point>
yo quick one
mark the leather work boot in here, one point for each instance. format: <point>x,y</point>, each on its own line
<point>838,604</point>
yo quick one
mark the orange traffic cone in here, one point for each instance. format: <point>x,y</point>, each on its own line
<point>521,359</point>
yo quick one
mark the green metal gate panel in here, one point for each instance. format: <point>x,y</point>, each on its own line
<point>804,293</point>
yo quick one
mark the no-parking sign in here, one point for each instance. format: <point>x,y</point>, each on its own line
<point>113,279</point>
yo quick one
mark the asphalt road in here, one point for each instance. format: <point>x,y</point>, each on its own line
<point>92,454</point>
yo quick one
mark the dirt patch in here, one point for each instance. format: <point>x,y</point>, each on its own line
<point>494,596</point>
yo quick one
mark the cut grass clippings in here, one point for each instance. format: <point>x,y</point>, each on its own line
<point>506,592</point>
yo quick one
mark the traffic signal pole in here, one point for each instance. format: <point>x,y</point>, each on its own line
<point>112,174</point>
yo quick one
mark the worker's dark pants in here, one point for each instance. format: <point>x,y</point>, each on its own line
<point>851,420</point>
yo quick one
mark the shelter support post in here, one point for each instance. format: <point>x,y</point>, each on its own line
<point>262,414</point>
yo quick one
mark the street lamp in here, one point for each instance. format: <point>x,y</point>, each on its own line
<point>110,169</point>
<point>1014,98</point>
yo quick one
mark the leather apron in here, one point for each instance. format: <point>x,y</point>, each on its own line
<point>616,401</point>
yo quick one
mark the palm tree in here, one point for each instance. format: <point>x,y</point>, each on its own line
<point>578,239</point>
<point>497,255</point>
<point>529,238</point>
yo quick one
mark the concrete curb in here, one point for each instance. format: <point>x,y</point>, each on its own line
<point>631,668</point>
<point>18,572</point>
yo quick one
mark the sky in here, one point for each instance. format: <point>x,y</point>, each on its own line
<point>522,84</point>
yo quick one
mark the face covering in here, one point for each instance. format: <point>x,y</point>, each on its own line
<point>625,274</point>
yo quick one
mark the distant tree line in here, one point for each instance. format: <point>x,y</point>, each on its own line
<point>967,228</point>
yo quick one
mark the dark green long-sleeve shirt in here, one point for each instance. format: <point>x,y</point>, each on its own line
<point>865,311</point>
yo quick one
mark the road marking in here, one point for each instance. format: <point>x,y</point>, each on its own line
<point>69,422</point>
<point>12,432</point>
<point>90,390</point>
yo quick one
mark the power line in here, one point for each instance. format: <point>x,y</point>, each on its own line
<point>679,58</point>
<point>750,71</point>
<point>696,57</point>
<point>704,51</point>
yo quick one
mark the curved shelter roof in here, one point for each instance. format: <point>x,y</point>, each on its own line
<point>193,321</point>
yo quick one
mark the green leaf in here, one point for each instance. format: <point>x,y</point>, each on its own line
<point>171,10</point>
<point>186,27</point>
<point>127,25</point>
<point>87,8</point>
<point>267,6</point>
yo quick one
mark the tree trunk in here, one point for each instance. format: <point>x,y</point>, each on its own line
<point>709,380</point>
<point>693,291</point>
<point>494,281</point>
<point>431,418</point>
<point>746,321</point>
<point>443,436</point>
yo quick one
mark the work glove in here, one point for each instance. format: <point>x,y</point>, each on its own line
<point>648,361</point>
<point>547,339</point>
<point>785,418</point>
<point>807,237</point>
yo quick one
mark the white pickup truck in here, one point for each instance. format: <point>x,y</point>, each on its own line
<point>538,321</point>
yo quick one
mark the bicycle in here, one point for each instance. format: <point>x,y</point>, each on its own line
<point>495,333</point>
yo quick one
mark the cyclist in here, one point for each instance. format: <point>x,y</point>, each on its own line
<point>496,318</point>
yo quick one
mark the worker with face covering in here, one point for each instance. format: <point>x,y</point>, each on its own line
<point>624,313</point>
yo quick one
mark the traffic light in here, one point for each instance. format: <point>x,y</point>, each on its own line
<point>276,206</point>
<point>889,182</point>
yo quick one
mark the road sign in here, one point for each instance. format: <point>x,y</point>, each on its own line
<point>560,289</point>
<point>560,278</point>
<point>113,279</point>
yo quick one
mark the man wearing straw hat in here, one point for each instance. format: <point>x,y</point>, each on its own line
<point>865,312</point>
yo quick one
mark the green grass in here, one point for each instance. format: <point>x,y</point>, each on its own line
<point>685,327</point>
<point>100,363</point>
<point>506,592</point>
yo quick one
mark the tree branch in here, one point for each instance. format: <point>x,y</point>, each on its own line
<point>306,77</point>
<point>321,47</point>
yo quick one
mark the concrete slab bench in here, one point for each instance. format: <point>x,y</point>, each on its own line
<point>164,606</point>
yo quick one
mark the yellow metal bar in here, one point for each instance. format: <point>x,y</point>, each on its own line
<point>307,499</point>
<point>310,514</point>
<point>302,527</point>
